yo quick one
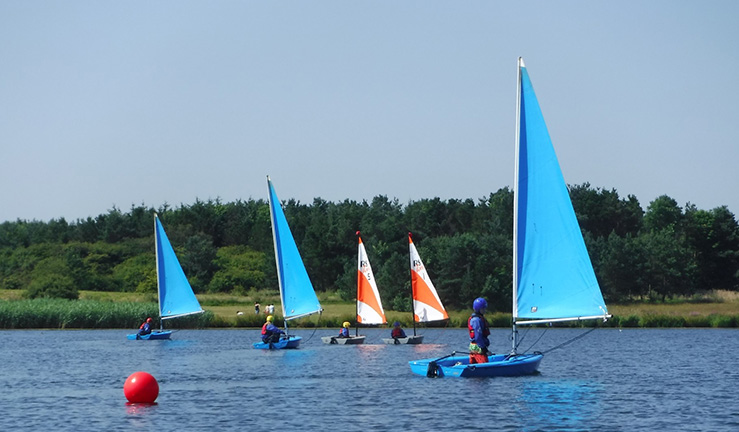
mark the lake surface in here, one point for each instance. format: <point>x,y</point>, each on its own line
<point>610,380</point>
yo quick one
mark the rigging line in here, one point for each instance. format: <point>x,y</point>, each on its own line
<point>522,337</point>
<point>440,334</point>
<point>320,314</point>
<point>535,342</point>
<point>570,341</point>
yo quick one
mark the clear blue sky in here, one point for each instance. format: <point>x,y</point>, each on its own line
<point>121,103</point>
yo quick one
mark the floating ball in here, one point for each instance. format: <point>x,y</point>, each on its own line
<point>141,387</point>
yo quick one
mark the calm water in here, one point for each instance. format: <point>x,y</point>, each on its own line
<point>610,380</point>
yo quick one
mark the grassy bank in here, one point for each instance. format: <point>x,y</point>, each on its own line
<point>127,310</point>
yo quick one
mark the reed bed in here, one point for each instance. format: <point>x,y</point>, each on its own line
<point>106,312</point>
<point>86,314</point>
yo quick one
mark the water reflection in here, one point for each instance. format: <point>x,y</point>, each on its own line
<point>560,405</point>
<point>134,408</point>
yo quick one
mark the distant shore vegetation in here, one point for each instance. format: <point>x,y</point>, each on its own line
<point>660,255</point>
<point>95,310</point>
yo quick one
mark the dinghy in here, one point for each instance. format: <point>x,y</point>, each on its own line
<point>176,298</point>
<point>298,298</point>
<point>369,305</point>
<point>427,306</point>
<point>553,278</point>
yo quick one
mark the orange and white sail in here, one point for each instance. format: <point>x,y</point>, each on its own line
<point>426,303</point>
<point>369,305</point>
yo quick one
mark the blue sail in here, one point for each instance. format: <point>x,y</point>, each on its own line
<point>296,290</point>
<point>554,273</point>
<point>176,297</point>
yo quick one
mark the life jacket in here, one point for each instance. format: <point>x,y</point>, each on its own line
<point>264,329</point>
<point>485,328</point>
<point>397,332</point>
<point>142,326</point>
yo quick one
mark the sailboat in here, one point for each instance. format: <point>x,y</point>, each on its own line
<point>176,298</point>
<point>427,306</point>
<point>369,305</point>
<point>297,295</point>
<point>553,278</point>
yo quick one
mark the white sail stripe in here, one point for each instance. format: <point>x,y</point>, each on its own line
<point>369,315</point>
<point>581,318</point>
<point>430,285</point>
<point>164,317</point>
<point>426,313</point>
<point>423,274</point>
<point>368,276</point>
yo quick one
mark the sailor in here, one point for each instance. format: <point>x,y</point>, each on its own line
<point>479,332</point>
<point>397,331</point>
<point>145,328</point>
<point>344,332</point>
<point>270,332</point>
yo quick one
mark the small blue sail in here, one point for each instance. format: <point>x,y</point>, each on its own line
<point>554,272</point>
<point>176,297</point>
<point>296,290</point>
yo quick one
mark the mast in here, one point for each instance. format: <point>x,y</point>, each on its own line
<point>413,300</point>
<point>514,311</point>
<point>159,285</point>
<point>359,281</point>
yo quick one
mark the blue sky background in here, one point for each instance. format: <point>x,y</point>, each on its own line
<point>124,103</point>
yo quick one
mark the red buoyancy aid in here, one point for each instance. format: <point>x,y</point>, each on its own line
<point>142,326</point>
<point>485,328</point>
<point>264,329</point>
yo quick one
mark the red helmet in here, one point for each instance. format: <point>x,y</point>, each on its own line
<point>148,320</point>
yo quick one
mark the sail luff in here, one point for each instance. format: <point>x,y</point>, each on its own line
<point>516,199</point>
<point>514,271</point>
<point>159,285</point>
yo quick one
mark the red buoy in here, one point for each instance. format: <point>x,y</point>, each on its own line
<point>141,387</point>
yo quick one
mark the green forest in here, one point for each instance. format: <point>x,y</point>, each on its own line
<point>655,254</point>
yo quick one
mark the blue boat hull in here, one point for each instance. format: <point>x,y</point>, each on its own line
<point>291,343</point>
<point>498,366</point>
<point>151,336</point>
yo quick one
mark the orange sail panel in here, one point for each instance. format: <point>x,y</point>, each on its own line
<point>369,305</point>
<point>426,303</point>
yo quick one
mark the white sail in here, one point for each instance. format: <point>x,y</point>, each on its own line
<point>427,305</point>
<point>369,305</point>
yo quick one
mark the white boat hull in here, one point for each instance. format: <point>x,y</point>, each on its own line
<point>408,340</point>
<point>352,340</point>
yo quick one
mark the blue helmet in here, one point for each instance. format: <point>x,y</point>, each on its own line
<point>479,304</point>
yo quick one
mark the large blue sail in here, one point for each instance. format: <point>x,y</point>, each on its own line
<point>296,290</point>
<point>176,297</point>
<point>554,273</point>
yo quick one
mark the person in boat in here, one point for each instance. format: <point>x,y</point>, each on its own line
<point>344,332</point>
<point>397,331</point>
<point>145,328</point>
<point>270,332</point>
<point>479,332</point>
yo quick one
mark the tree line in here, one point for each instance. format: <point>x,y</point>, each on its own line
<point>466,245</point>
